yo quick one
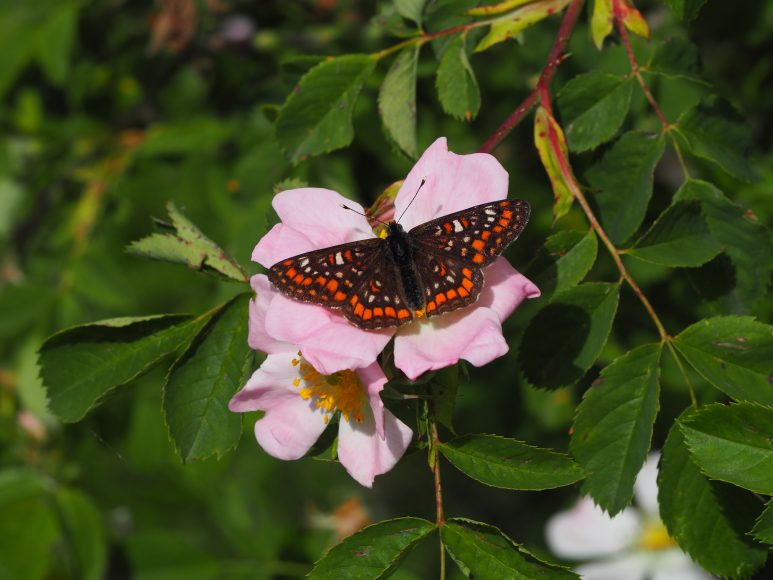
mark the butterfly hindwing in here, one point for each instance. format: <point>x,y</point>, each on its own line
<point>448,284</point>
<point>327,276</point>
<point>474,236</point>
<point>376,302</point>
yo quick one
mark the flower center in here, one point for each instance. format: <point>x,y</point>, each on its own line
<point>341,391</point>
<point>655,537</point>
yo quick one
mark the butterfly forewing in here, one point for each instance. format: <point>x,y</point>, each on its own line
<point>474,236</point>
<point>327,276</point>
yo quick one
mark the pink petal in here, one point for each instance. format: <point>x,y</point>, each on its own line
<point>290,429</point>
<point>279,243</point>
<point>258,338</point>
<point>645,488</point>
<point>454,182</point>
<point>674,564</point>
<point>629,566</point>
<point>373,380</point>
<point>473,333</point>
<point>505,289</point>
<point>364,454</point>
<point>326,339</point>
<point>586,531</point>
<point>268,386</point>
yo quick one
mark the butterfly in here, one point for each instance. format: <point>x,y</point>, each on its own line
<point>434,268</point>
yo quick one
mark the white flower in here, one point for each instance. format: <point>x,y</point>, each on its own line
<point>633,545</point>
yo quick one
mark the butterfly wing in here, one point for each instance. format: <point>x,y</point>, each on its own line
<point>474,236</point>
<point>327,276</point>
<point>448,283</point>
<point>357,278</point>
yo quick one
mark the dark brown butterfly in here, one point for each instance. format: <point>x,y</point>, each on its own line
<point>434,268</point>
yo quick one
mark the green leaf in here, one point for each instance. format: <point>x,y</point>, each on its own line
<point>55,41</point>
<point>733,443</point>
<point>497,8</point>
<point>317,117</point>
<point>624,176</point>
<point>733,353</point>
<point>372,552</point>
<point>676,58</point>
<point>183,243</point>
<point>716,132</point>
<point>456,84</point>
<point>518,20</point>
<point>686,9</point>
<point>397,100</point>
<point>613,427</point>
<point>203,380</point>
<point>28,527</point>
<point>443,388</point>
<point>566,337</point>
<point>601,21</point>
<point>411,9</point>
<point>187,136</point>
<point>510,464</point>
<point>551,146</point>
<point>574,254</point>
<point>703,517</point>
<point>746,241</point>
<point>483,552</point>
<point>79,365</point>
<point>763,529</point>
<point>593,107</point>
<point>83,528</point>
<point>678,238</point>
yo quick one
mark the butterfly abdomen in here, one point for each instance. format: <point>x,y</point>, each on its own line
<point>402,255</point>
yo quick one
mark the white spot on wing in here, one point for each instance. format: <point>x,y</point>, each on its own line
<point>339,259</point>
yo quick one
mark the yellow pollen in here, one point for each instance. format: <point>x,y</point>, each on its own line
<point>655,537</point>
<point>341,391</point>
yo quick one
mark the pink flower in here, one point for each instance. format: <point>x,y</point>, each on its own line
<point>299,402</point>
<point>313,219</point>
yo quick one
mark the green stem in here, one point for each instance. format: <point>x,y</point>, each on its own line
<point>678,360</point>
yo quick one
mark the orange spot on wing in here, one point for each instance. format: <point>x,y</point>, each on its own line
<point>504,203</point>
<point>321,280</point>
<point>485,235</point>
<point>467,284</point>
<point>451,294</point>
<point>448,228</point>
<point>348,255</point>
<point>378,311</point>
<point>431,306</point>
<point>465,222</point>
<point>443,269</point>
<point>463,293</point>
<point>307,281</point>
<point>478,244</point>
<point>440,299</point>
<point>287,262</point>
<point>298,279</point>
<point>368,314</point>
<point>355,299</point>
<point>478,258</point>
<point>507,214</point>
<point>504,222</point>
<point>497,229</point>
<point>339,296</point>
<point>332,285</point>
<point>358,310</point>
<point>467,273</point>
<point>390,312</point>
<point>312,292</point>
<point>402,313</point>
<point>291,273</point>
<point>331,259</point>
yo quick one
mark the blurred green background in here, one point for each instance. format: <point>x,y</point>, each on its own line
<point>111,108</point>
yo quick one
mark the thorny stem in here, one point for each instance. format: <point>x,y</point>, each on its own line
<point>439,515</point>
<point>668,128</point>
<point>555,58</point>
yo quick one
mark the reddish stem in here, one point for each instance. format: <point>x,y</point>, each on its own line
<point>555,58</point>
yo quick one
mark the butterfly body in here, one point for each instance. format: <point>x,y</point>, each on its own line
<point>434,268</point>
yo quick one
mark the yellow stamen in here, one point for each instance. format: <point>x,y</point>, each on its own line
<point>655,537</point>
<point>341,391</point>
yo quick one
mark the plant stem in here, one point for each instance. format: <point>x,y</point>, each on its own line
<point>555,58</point>
<point>440,519</point>
<point>690,388</point>
<point>668,128</point>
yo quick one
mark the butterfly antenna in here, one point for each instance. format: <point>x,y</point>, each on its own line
<point>343,205</point>
<point>423,181</point>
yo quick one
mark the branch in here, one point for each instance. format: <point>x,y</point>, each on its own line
<point>555,58</point>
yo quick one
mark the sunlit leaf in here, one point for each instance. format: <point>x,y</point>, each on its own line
<point>613,426</point>
<point>707,519</point>
<point>456,84</point>
<point>763,529</point>
<point>551,145</point>
<point>372,552</point>
<point>317,117</point>
<point>397,100</point>
<point>601,21</point>
<point>203,380</point>
<point>733,443</point>
<point>733,353</point>
<point>483,552</point>
<point>411,9</point>
<point>511,24</point>
<point>510,464</point>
